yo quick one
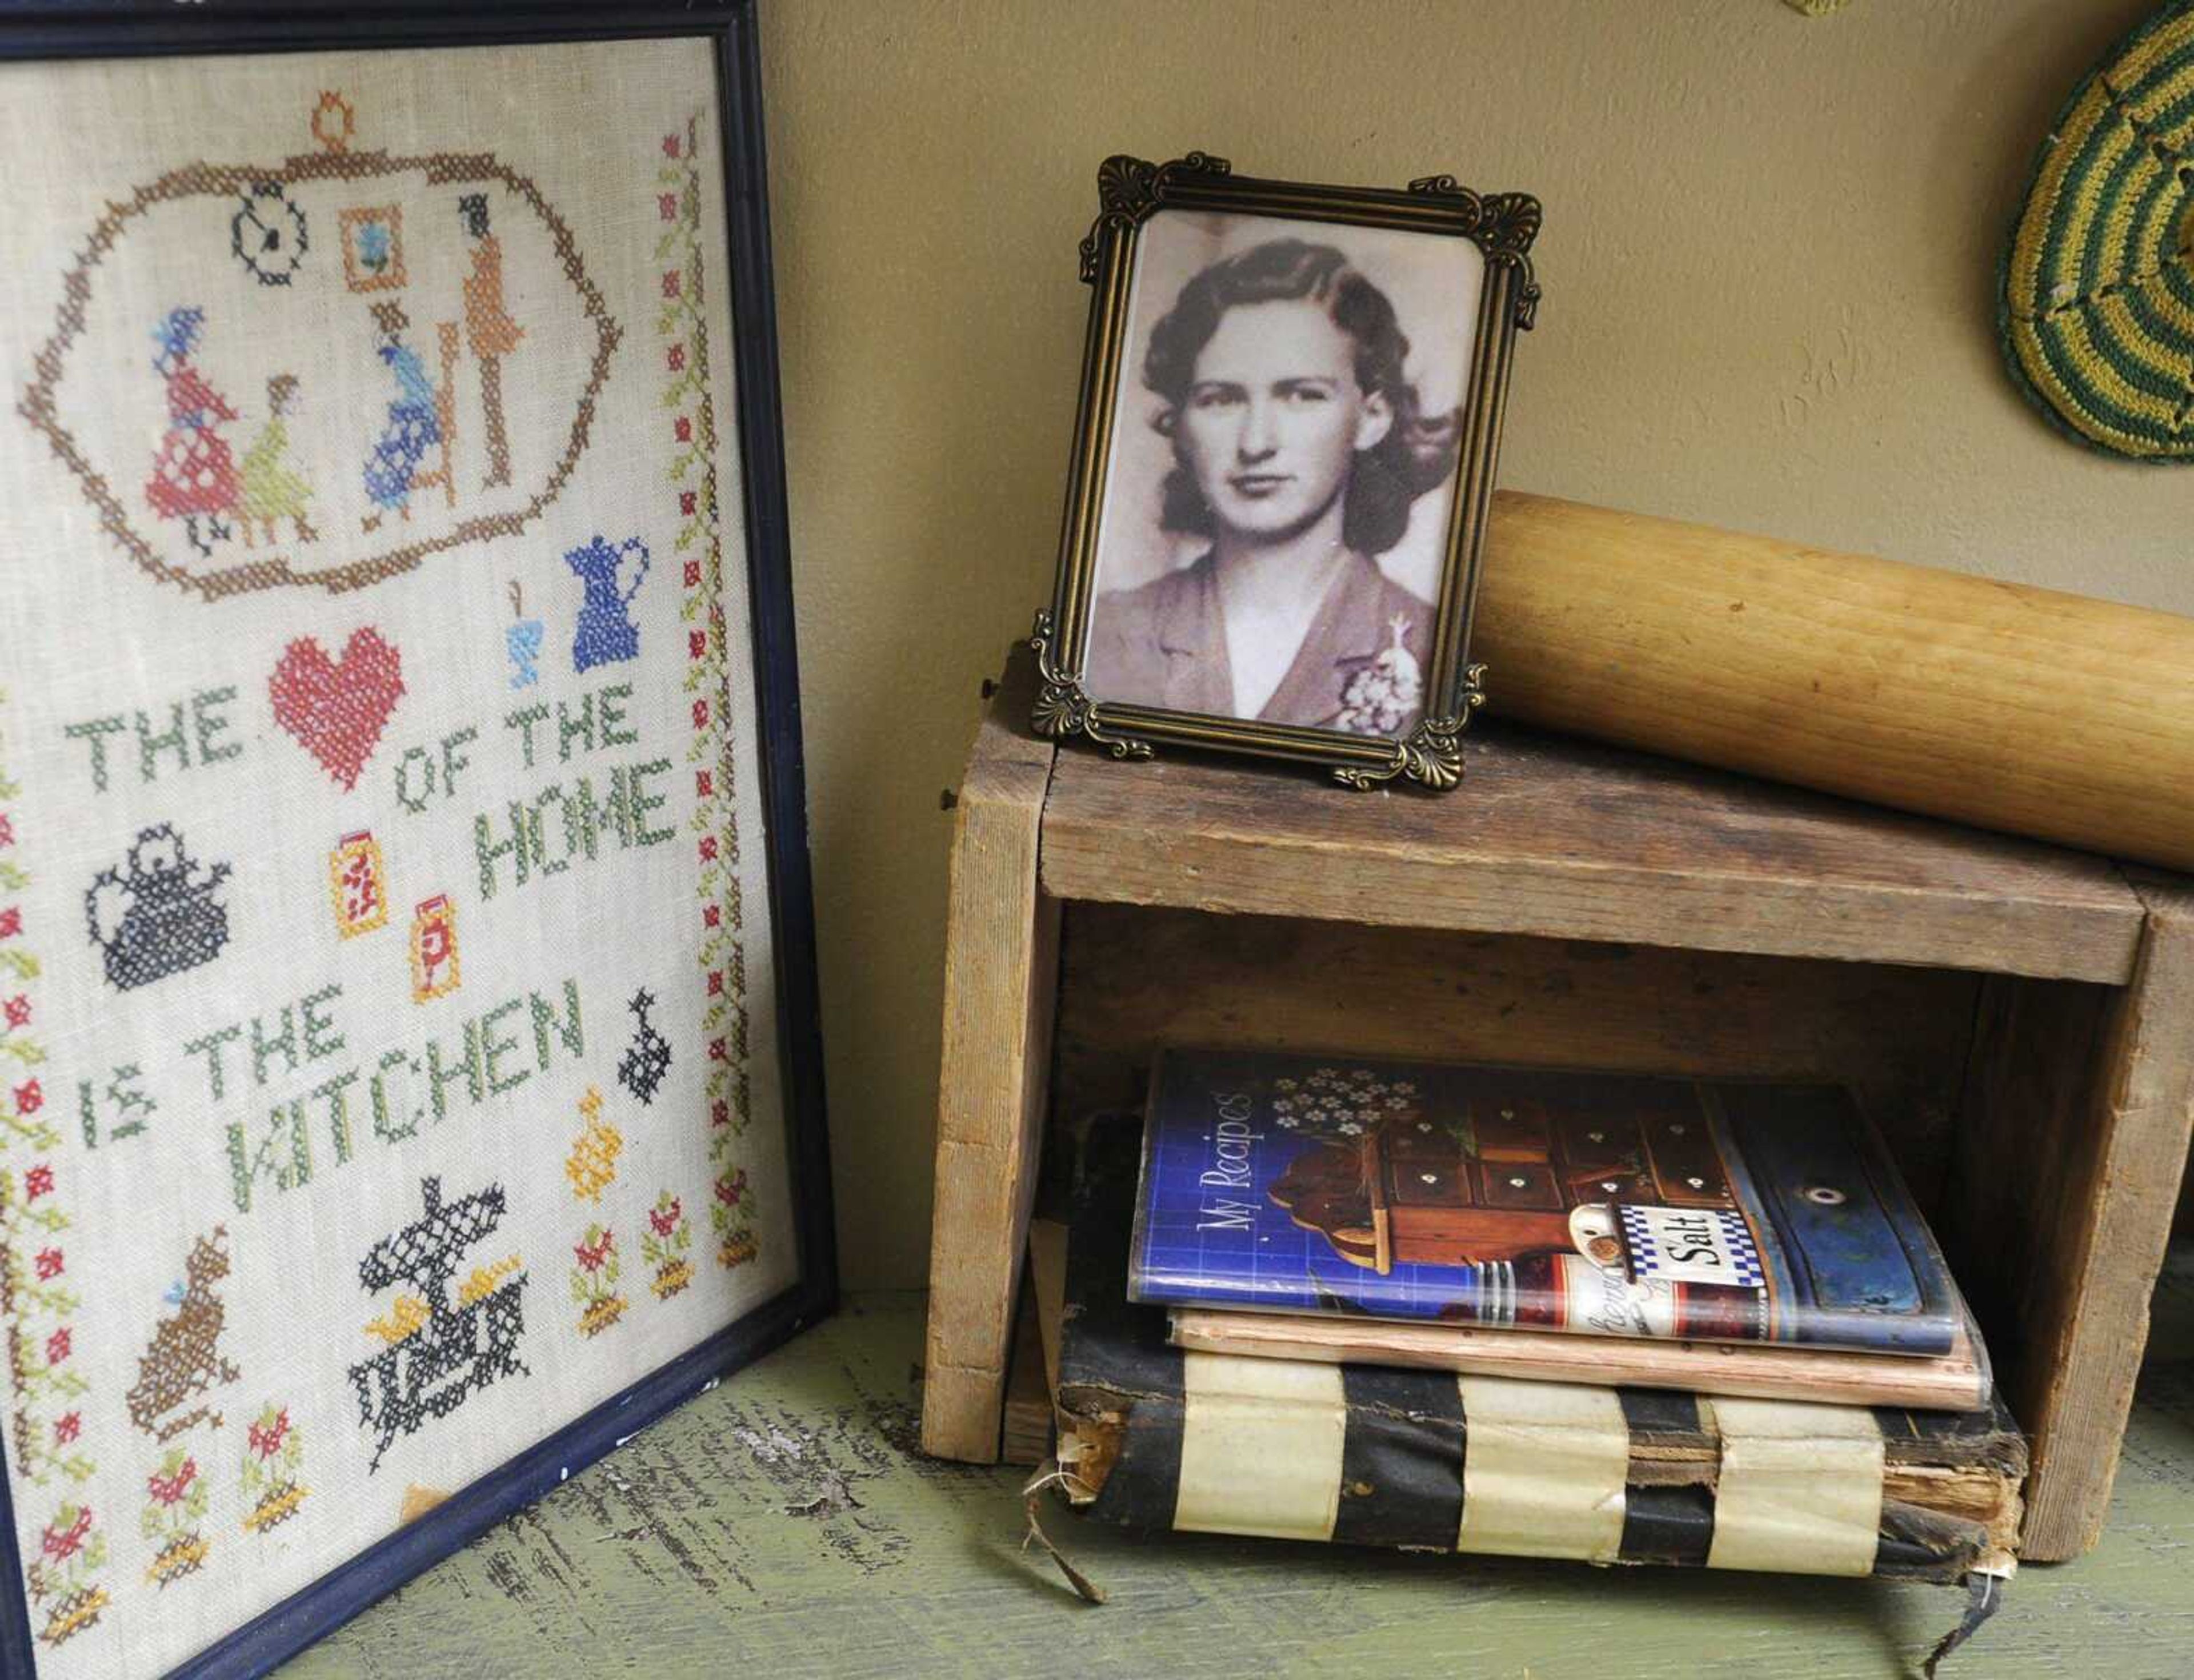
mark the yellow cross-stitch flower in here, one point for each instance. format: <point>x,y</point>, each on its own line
<point>592,1166</point>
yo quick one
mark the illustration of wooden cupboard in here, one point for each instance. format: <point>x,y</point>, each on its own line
<point>1502,1184</point>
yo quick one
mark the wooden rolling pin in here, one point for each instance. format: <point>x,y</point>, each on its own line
<point>2017,708</point>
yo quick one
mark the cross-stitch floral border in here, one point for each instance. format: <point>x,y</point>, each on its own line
<point>683,325</point>
<point>36,1301</point>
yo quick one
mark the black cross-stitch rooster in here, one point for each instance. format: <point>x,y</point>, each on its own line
<point>647,1060</point>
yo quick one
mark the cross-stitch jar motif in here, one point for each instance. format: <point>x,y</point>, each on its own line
<point>435,970</point>
<point>358,881</point>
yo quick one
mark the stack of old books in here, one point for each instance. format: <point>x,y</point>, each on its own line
<point>1608,1317</point>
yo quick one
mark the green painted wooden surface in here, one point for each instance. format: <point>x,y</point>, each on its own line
<point>783,1524</point>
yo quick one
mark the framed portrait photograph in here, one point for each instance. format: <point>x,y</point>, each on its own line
<point>1289,418</point>
<point>410,1075</point>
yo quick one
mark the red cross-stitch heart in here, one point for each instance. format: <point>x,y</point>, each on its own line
<point>338,708</point>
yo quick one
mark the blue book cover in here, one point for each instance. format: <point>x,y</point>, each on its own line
<point>1604,1204</point>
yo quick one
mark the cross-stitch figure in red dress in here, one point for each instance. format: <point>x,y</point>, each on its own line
<point>194,473</point>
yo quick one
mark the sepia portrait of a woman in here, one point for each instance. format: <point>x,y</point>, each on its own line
<point>1298,447</point>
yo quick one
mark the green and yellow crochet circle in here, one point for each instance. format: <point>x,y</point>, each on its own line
<point>2097,303</point>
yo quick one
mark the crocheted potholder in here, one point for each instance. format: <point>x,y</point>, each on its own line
<point>2097,301</point>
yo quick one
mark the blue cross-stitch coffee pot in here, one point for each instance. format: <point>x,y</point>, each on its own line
<point>606,633</point>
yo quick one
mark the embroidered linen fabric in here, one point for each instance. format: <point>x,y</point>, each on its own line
<point>387,1071</point>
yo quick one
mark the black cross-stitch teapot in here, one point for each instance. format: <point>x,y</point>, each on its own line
<point>152,919</point>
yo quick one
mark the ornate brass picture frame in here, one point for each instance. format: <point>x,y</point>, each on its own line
<point>1439,691</point>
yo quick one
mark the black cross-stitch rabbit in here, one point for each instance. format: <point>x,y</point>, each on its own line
<point>183,1358</point>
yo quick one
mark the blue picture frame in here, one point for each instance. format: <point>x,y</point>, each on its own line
<point>154,28</point>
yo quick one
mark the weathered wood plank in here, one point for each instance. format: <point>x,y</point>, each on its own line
<point>1048,1265</point>
<point>1026,1434</point>
<point>1133,979</point>
<point>1984,701</point>
<point>2029,1089</point>
<point>1001,969</point>
<point>2103,1229</point>
<point>1560,838</point>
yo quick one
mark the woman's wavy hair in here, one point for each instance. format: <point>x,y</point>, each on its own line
<point>1417,451</point>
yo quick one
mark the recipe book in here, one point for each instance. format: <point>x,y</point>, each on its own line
<point>1612,1205</point>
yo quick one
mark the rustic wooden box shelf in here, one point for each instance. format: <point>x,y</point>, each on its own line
<point>2019,1018</point>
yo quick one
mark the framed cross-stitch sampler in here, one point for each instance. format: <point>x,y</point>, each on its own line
<point>409,1070</point>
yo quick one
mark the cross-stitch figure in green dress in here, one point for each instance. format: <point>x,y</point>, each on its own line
<point>272,489</point>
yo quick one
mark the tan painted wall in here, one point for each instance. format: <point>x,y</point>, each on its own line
<point>1769,264</point>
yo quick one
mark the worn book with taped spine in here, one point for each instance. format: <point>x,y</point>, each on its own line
<point>1154,1436</point>
<point>1599,1204</point>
